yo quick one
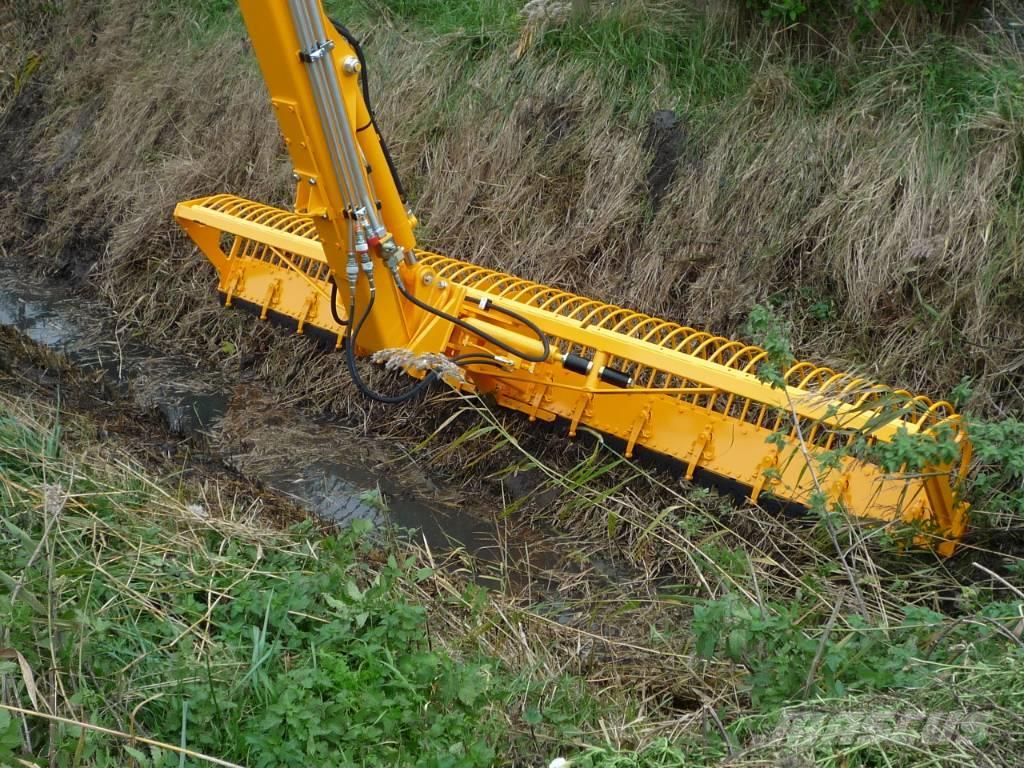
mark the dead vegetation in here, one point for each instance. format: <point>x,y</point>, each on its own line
<point>178,570</point>
<point>643,552</point>
<point>887,227</point>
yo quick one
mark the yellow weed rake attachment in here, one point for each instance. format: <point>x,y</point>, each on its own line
<point>344,264</point>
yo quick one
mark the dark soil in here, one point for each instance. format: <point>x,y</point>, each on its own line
<point>92,409</point>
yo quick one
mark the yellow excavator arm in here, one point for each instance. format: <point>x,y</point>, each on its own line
<point>344,264</point>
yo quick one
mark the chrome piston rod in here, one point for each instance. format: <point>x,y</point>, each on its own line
<point>346,158</point>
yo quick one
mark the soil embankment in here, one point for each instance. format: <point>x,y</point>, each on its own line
<point>691,167</point>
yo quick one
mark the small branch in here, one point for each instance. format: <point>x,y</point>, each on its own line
<point>850,576</point>
<point>819,654</point>
<point>121,735</point>
<point>999,578</point>
<point>721,728</point>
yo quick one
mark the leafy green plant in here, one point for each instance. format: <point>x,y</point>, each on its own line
<point>916,452</point>
<point>996,485</point>
<point>10,737</point>
<point>770,331</point>
<point>790,654</point>
<point>263,649</point>
<point>779,10</point>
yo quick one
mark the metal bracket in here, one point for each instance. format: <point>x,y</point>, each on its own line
<point>702,449</point>
<point>839,493</point>
<point>308,312</point>
<point>638,425</point>
<point>234,285</point>
<point>317,53</point>
<point>537,400</point>
<point>272,292</point>
<point>577,413</point>
<point>768,463</point>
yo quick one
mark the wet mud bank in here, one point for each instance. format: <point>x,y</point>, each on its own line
<point>66,347</point>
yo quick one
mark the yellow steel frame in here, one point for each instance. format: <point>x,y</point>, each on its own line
<point>695,397</point>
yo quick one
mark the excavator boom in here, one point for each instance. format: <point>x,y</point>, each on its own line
<point>344,264</point>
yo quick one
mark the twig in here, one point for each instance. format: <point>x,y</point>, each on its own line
<point>54,500</point>
<point>850,576</point>
<point>721,728</point>
<point>121,735</point>
<point>813,671</point>
<point>1000,579</point>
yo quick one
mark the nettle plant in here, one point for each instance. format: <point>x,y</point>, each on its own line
<point>996,484</point>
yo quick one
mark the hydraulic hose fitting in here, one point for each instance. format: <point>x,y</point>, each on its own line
<point>364,258</point>
<point>362,247</point>
<point>577,364</point>
<point>374,236</point>
<point>393,253</point>
<point>352,272</point>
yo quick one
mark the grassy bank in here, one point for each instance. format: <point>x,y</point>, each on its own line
<point>142,617</point>
<point>158,612</point>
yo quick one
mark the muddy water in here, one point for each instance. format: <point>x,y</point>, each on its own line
<point>327,469</point>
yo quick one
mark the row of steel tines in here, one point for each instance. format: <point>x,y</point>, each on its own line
<point>816,383</point>
<point>280,220</point>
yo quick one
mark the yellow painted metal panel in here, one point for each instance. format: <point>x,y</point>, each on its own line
<point>709,412</point>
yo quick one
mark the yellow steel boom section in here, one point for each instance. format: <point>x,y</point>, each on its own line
<point>344,264</point>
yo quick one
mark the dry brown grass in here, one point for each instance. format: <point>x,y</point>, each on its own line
<point>643,553</point>
<point>530,168</point>
<point>549,624</point>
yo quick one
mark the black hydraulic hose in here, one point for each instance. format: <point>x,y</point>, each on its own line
<point>541,336</point>
<point>334,304</point>
<point>471,358</point>
<point>357,379</point>
<point>529,324</point>
<point>364,81</point>
<point>477,359</point>
<point>351,40</point>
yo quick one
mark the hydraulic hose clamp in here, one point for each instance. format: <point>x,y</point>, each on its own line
<point>317,53</point>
